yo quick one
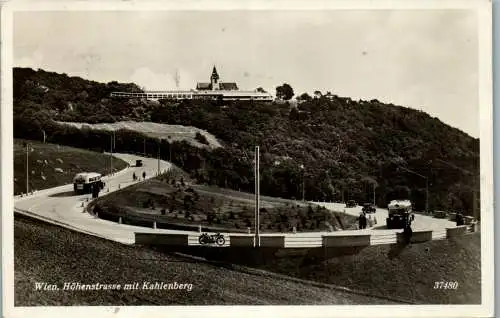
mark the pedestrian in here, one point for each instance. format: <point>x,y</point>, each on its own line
<point>144,175</point>
<point>363,221</point>
<point>460,219</point>
<point>134,177</point>
<point>360,221</point>
<point>407,232</point>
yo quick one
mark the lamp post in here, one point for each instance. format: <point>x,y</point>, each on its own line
<point>426,186</point>
<point>111,153</point>
<point>374,201</point>
<point>474,183</point>
<point>170,149</point>
<point>158,156</point>
<point>257,197</point>
<point>27,168</point>
<point>303,181</point>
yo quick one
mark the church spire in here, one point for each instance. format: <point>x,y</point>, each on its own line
<point>215,75</point>
<point>214,80</point>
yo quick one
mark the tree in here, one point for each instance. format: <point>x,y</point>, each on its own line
<point>284,92</point>
<point>317,94</point>
<point>304,97</point>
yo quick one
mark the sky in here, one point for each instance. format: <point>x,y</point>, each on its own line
<point>423,59</point>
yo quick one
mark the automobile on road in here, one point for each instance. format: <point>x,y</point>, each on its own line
<point>369,208</point>
<point>351,204</point>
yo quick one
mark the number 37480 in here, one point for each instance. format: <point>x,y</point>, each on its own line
<point>445,285</point>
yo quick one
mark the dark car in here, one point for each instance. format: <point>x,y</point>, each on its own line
<point>440,214</point>
<point>368,208</point>
<point>351,204</point>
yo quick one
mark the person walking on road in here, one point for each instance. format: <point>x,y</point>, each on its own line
<point>134,177</point>
<point>407,232</point>
<point>144,175</point>
<point>362,221</point>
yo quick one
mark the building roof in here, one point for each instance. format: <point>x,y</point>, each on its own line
<point>203,86</point>
<point>228,86</point>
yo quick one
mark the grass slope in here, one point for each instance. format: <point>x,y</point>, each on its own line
<point>155,130</point>
<point>406,272</point>
<point>47,253</point>
<point>70,160</point>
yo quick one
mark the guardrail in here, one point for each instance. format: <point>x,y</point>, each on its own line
<point>303,241</point>
<point>314,240</point>
<point>346,240</point>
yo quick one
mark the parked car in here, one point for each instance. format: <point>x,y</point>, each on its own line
<point>368,208</point>
<point>440,214</point>
<point>351,204</point>
<point>452,217</point>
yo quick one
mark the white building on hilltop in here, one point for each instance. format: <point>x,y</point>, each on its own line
<point>214,90</point>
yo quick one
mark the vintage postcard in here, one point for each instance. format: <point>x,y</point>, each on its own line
<point>256,158</point>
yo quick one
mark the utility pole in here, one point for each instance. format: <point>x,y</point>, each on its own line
<point>426,186</point>
<point>158,157</point>
<point>303,181</point>
<point>27,168</point>
<point>303,187</point>
<point>475,180</point>
<point>111,157</point>
<point>426,195</point>
<point>374,201</point>
<point>257,198</point>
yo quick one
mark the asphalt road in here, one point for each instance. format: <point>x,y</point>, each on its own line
<point>61,205</point>
<point>421,222</point>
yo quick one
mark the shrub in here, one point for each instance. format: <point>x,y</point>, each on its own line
<point>201,138</point>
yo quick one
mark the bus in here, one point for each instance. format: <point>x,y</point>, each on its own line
<point>399,213</point>
<point>83,182</point>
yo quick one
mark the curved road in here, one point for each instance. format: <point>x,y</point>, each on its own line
<point>61,206</point>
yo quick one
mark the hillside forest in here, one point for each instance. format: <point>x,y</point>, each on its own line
<point>326,148</point>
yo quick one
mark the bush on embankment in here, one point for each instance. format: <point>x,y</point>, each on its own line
<point>176,204</point>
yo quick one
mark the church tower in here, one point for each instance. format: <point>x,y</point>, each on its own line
<point>214,80</point>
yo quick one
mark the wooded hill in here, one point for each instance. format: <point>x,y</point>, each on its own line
<point>346,147</point>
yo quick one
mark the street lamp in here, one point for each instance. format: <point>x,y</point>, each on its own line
<point>474,183</point>
<point>111,153</point>
<point>170,148</point>
<point>257,196</point>
<point>27,167</point>
<point>158,156</point>
<point>303,181</point>
<point>426,186</point>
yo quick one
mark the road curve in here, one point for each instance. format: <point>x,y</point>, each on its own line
<point>421,223</point>
<point>60,206</point>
